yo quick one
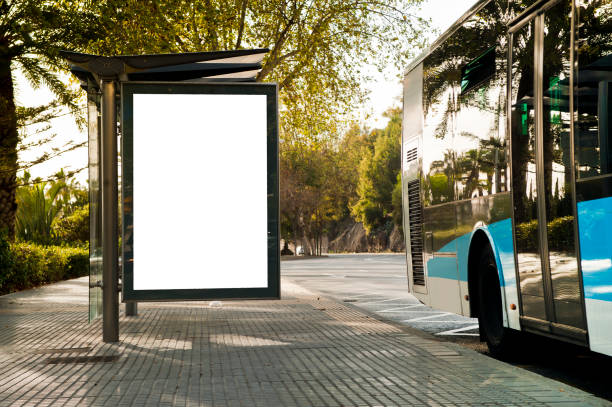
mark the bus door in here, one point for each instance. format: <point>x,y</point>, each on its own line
<point>542,177</point>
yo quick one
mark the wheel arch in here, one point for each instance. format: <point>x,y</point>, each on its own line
<point>480,239</point>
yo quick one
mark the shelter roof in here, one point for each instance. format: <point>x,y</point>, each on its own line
<point>236,65</point>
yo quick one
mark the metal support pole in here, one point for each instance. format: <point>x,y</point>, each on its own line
<point>131,309</point>
<point>110,241</point>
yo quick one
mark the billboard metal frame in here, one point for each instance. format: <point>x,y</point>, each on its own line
<point>270,90</point>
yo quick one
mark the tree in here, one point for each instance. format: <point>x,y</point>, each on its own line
<point>378,172</point>
<point>307,193</point>
<point>38,208</point>
<point>317,48</point>
<point>31,34</point>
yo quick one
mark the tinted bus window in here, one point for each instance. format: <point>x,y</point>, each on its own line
<point>464,154</point>
<point>593,88</point>
<point>480,140</point>
<point>440,89</point>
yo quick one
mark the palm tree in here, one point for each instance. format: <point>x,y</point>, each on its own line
<point>38,207</point>
<point>31,34</point>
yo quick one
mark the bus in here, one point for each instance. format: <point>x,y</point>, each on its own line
<point>507,171</point>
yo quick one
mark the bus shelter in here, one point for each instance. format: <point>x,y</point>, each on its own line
<point>196,215</point>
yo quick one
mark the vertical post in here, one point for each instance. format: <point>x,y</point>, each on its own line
<point>110,313</point>
<point>131,309</point>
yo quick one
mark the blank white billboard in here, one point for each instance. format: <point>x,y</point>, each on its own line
<point>199,191</point>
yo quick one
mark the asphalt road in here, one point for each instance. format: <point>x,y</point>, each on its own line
<point>378,283</point>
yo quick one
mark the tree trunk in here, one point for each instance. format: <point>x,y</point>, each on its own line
<point>8,149</point>
<point>241,25</point>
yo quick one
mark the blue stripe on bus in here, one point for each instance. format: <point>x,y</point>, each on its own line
<point>595,230</point>
<point>463,246</point>
<point>442,267</point>
<point>500,234</point>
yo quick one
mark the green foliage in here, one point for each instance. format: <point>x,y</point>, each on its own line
<point>439,187</point>
<point>37,209</point>
<point>527,236</point>
<point>317,48</point>
<point>34,33</point>
<point>26,265</point>
<point>396,200</point>
<point>378,175</point>
<point>308,192</point>
<point>54,212</point>
<point>73,228</point>
<point>320,188</point>
<point>560,234</point>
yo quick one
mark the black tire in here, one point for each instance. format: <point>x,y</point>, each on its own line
<point>500,340</point>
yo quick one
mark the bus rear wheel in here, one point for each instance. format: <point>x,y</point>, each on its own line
<point>490,318</point>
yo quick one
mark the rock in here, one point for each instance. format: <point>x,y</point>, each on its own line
<point>353,239</point>
<point>396,240</point>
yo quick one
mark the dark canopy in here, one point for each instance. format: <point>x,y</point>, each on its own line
<point>238,65</point>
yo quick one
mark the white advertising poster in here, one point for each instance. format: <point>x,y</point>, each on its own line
<point>199,191</point>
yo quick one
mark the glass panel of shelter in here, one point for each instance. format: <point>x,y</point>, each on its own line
<point>95,203</point>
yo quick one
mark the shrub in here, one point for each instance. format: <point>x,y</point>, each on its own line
<point>27,265</point>
<point>74,228</point>
<point>561,233</point>
<point>527,235</point>
<point>37,209</point>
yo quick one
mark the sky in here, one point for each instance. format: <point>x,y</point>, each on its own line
<point>385,92</point>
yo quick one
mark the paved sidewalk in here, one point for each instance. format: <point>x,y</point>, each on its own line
<point>301,351</point>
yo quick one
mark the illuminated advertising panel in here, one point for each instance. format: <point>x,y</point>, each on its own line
<point>200,191</point>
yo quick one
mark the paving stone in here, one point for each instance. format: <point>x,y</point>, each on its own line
<point>304,350</point>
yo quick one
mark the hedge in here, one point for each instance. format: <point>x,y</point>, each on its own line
<point>560,234</point>
<point>26,265</point>
<point>73,228</point>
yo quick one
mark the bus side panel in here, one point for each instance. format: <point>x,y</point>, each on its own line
<point>594,228</point>
<point>440,249</point>
<point>412,129</point>
<point>449,229</point>
<point>500,237</point>
<point>491,214</point>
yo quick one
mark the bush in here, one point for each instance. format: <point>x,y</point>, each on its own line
<point>561,234</point>
<point>527,236</point>
<point>37,209</point>
<point>73,228</point>
<point>26,265</point>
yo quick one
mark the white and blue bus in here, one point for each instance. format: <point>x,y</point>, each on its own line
<point>507,171</point>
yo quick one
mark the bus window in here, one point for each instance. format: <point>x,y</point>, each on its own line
<point>439,101</point>
<point>480,141</point>
<point>593,88</point>
<point>558,166</point>
<point>524,181</point>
